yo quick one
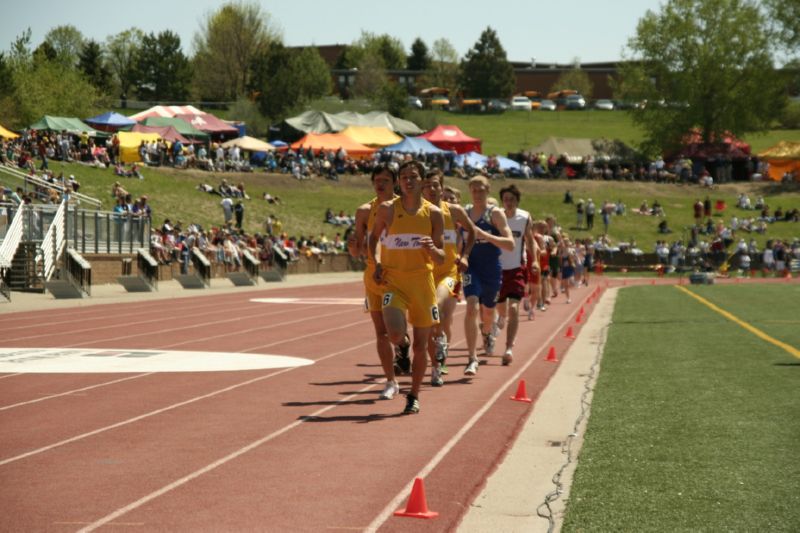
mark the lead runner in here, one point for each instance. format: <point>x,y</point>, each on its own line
<point>413,242</point>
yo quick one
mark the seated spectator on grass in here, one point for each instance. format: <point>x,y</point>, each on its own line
<point>663,227</point>
<point>272,199</point>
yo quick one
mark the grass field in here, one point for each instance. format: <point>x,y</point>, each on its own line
<point>173,195</point>
<point>693,424</point>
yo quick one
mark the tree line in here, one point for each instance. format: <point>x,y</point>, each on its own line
<point>707,64</point>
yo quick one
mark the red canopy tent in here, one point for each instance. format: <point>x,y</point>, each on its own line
<point>452,138</point>
<point>210,124</point>
<point>728,146</point>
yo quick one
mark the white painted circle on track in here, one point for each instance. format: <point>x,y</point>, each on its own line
<point>97,361</point>
<point>306,301</point>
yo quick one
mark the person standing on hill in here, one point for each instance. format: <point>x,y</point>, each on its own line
<point>412,232</point>
<point>590,210</point>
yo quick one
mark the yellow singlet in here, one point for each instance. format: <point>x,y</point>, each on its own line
<point>400,248</point>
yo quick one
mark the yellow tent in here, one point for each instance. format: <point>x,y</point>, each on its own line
<point>782,158</point>
<point>129,142</point>
<point>372,135</point>
<point>6,134</point>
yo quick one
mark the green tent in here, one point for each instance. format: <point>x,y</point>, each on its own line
<point>183,127</point>
<point>71,125</point>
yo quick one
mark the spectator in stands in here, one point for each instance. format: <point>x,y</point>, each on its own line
<point>227,209</point>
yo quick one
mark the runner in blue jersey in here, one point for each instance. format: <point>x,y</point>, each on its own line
<point>484,275</point>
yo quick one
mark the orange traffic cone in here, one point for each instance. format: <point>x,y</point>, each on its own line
<point>551,356</point>
<point>521,395</point>
<point>578,318</point>
<point>417,507</point>
<point>569,334</point>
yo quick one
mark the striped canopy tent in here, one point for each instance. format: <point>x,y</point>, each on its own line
<point>166,111</point>
<point>168,133</point>
<point>7,134</point>
<point>183,127</point>
<point>210,124</point>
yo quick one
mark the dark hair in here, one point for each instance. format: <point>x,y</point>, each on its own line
<point>512,189</point>
<point>413,163</point>
<point>380,169</point>
<point>435,172</point>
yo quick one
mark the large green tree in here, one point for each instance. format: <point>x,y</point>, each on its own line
<point>50,88</point>
<point>705,64</point>
<point>389,49</point>
<point>67,42</point>
<point>444,69</point>
<point>164,72</point>
<point>419,59</point>
<point>485,70</point>
<point>226,46</point>
<point>122,51</point>
<point>576,79</point>
<point>285,79</point>
<point>92,63</point>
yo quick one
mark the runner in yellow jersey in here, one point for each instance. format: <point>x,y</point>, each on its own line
<point>384,179</point>
<point>446,276</point>
<point>413,241</point>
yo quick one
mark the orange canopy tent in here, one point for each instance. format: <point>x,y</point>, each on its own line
<point>782,158</point>
<point>333,141</point>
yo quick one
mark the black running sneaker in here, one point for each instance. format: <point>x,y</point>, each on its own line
<point>402,362</point>
<point>412,405</point>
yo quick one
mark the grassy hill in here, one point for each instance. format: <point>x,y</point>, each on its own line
<point>173,194</point>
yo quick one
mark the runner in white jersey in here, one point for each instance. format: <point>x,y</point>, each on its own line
<point>513,263</point>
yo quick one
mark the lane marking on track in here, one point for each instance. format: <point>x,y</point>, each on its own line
<point>216,464</point>
<point>401,496</point>
<point>123,361</point>
<point>752,329</point>
<point>11,375</point>
<point>314,301</point>
<point>170,407</point>
<point>74,391</point>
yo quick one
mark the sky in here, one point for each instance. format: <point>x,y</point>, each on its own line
<point>550,32</point>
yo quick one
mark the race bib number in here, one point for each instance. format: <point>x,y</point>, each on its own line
<point>387,298</point>
<point>435,313</point>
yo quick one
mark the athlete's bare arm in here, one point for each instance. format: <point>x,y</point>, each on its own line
<point>460,218</point>
<point>506,239</point>
<point>357,243</point>
<point>435,244</point>
<point>382,223</point>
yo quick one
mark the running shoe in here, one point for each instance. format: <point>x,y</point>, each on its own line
<point>569,300</point>
<point>507,357</point>
<point>389,390</point>
<point>488,344</point>
<point>441,348</point>
<point>412,405</point>
<point>526,304</point>
<point>472,368</point>
<point>402,366</point>
<point>436,378</point>
<point>443,369</point>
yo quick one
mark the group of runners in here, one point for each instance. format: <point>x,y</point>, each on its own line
<point>422,248</point>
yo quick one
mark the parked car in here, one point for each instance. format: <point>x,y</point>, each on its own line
<point>521,103</point>
<point>574,101</point>
<point>414,102</point>
<point>604,105</point>
<point>496,106</point>
<point>547,105</point>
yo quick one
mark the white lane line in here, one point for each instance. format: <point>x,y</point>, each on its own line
<point>67,393</point>
<point>216,464</point>
<point>168,408</point>
<point>401,496</point>
<point>11,375</point>
<point>127,325</point>
<point>259,328</point>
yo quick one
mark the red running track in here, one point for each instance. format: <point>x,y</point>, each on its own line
<point>300,449</point>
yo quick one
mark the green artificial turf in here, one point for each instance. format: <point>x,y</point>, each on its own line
<point>693,423</point>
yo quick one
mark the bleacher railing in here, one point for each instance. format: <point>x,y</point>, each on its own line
<point>53,242</point>
<point>12,237</point>
<point>28,179</point>
<point>147,266</point>
<point>251,264</point>
<point>79,271</point>
<point>105,232</point>
<point>202,266</point>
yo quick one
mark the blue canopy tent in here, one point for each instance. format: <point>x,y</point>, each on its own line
<point>414,145</point>
<point>110,121</point>
<point>479,161</point>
